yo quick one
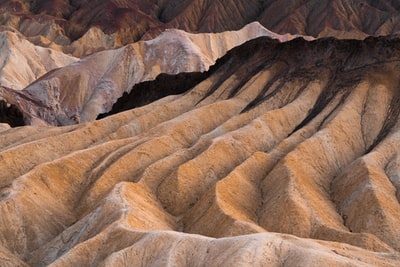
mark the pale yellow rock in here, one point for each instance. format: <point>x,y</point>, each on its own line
<point>21,62</point>
<point>4,127</point>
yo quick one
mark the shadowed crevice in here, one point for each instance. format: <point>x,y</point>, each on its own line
<point>261,97</point>
<point>10,114</point>
<point>149,91</point>
<point>391,119</point>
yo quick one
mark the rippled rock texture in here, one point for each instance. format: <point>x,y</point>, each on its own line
<point>238,148</point>
<point>280,154</point>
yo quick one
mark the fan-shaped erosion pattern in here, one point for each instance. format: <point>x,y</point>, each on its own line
<point>283,154</point>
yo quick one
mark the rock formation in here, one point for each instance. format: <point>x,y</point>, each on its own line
<point>231,148</point>
<point>280,154</point>
<point>21,62</point>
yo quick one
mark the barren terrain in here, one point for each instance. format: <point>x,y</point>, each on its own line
<point>223,148</point>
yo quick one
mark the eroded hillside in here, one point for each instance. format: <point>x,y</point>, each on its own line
<point>238,148</point>
<point>282,153</point>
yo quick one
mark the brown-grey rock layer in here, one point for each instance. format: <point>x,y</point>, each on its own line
<point>83,27</point>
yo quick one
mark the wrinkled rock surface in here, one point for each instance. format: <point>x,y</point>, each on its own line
<point>282,154</point>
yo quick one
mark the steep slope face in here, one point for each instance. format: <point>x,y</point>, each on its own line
<point>81,91</point>
<point>354,19</point>
<point>84,27</point>
<point>343,19</point>
<point>297,138</point>
<point>21,62</point>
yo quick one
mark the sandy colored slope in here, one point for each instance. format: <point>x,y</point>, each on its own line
<point>271,161</point>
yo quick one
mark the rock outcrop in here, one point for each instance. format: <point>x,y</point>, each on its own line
<point>21,62</point>
<point>280,154</point>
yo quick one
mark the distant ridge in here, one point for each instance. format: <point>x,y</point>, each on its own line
<point>113,23</point>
